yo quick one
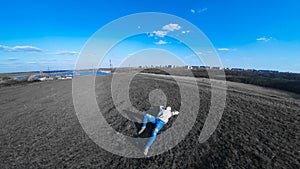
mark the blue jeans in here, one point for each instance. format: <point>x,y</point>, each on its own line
<point>158,125</point>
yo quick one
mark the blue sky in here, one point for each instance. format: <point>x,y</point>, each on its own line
<point>259,34</point>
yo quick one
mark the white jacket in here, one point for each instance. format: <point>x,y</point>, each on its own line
<point>164,115</point>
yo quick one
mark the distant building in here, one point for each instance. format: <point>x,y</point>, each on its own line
<point>187,67</point>
<point>237,69</point>
<point>195,67</point>
<point>215,68</point>
<point>268,71</point>
<point>251,70</point>
<point>204,67</point>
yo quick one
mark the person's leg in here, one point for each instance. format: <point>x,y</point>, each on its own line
<point>158,126</point>
<point>147,118</point>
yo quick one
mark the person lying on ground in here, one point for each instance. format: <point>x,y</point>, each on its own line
<point>160,120</point>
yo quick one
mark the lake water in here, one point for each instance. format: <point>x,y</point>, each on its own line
<point>64,74</point>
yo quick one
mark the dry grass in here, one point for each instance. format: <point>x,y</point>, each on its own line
<point>39,129</point>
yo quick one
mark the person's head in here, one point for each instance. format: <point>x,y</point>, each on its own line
<point>168,108</point>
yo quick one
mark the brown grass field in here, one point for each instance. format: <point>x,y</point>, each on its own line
<point>260,127</point>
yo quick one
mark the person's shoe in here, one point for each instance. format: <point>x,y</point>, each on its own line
<point>146,151</point>
<point>142,129</point>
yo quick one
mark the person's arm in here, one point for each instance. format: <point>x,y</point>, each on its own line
<point>175,112</point>
<point>159,113</point>
<point>161,109</point>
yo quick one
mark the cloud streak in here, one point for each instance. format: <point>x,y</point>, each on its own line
<point>264,39</point>
<point>20,49</point>
<point>27,48</point>
<point>225,49</point>
<point>12,59</point>
<point>198,11</point>
<point>65,52</point>
<point>161,42</point>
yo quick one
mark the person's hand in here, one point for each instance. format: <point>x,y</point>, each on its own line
<point>175,112</point>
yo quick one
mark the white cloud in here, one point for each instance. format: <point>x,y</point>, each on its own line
<point>198,11</point>
<point>65,52</point>
<point>4,47</point>
<point>171,27</point>
<point>26,49</point>
<point>20,49</point>
<point>150,34</point>
<point>33,49</point>
<point>265,39</point>
<point>226,49</point>
<point>161,42</point>
<point>186,31</point>
<point>223,49</point>
<point>165,30</point>
<point>160,33</point>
